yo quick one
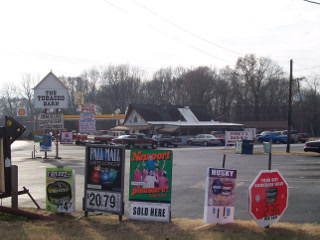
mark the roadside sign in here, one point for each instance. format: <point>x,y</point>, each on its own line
<point>38,135</point>
<point>104,179</point>
<point>220,195</point>
<point>51,121</point>
<point>268,197</point>
<point>46,144</point>
<point>60,185</point>
<point>150,175</point>
<point>66,137</point>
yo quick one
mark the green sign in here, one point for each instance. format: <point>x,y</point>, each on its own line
<point>38,135</point>
<point>60,190</point>
<point>150,175</point>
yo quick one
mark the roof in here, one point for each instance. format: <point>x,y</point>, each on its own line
<point>142,115</point>
<point>49,79</point>
<point>165,113</point>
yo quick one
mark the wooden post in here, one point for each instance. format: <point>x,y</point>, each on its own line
<point>14,186</point>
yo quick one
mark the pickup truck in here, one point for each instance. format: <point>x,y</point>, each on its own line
<point>100,136</point>
<point>136,140</point>
<point>106,136</point>
<point>275,137</point>
<point>166,140</point>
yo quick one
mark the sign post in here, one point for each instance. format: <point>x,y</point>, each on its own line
<point>268,197</point>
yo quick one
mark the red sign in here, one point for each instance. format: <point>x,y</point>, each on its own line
<point>268,197</point>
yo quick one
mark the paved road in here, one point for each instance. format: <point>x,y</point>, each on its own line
<point>301,172</point>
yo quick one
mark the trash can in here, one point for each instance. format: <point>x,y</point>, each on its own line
<point>247,146</point>
<point>238,146</point>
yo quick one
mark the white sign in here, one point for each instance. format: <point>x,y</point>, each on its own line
<point>51,121</point>
<point>85,108</point>
<point>150,211</point>
<point>66,137</point>
<point>220,195</point>
<point>21,112</point>
<point>50,98</point>
<point>103,201</point>
<point>87,123</point>
<point>232,136</point>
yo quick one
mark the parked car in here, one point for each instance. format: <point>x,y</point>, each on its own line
<point>275,137</point>
<point>303,137</point>
<point>312,146</point>
<point>136,140</point>
<point>293,135</point>
<point>205,140</point>
<point>166,140</point>
<point>219,134</point>
<point>264,133</point>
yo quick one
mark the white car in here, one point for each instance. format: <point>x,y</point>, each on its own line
<point>205,140</point>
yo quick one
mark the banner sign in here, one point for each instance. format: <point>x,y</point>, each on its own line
<point>79,97</point>
<point>104,179</point>
<point>66,137</point>
<point>150,175</point>
<point>38,136</point>
<point>51,121</point>
<point>150,211</point>
<point>220,195</point>
<point>87,123</point>
<point>233,136</point>
<point>46,145</point>
<point>60,190</point>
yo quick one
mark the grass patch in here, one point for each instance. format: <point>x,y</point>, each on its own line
<point>107,227</point>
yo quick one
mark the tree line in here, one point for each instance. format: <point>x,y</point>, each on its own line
<point>256,89</point>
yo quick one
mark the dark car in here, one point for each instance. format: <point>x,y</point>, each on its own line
<point>303,137</point>
<point>205,140</point>
<point>312,146</point>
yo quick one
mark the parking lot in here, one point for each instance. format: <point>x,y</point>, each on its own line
<point>301,172</point>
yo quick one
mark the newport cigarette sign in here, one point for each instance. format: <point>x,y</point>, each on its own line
<point>268,197</point>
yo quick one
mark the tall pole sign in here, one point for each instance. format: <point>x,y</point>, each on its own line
<point>8,135</point>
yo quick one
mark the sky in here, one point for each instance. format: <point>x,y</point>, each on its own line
<point>68,37</point>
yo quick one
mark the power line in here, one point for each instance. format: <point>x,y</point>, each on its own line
<point>187,31</point>
<point>311,2</point>
<point>168,35</point>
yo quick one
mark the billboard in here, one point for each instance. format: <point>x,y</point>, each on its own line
<point>150,175</point>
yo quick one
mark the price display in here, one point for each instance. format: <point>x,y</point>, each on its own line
<point>65,207</point>
<point>103,201</point>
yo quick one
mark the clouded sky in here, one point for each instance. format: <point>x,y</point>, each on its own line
<point>70,36</point>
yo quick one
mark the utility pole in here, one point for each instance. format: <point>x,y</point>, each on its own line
<point>289,109</point>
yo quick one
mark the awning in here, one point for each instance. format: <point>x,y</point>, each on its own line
<point>120,128</point>
<point>169,129</point>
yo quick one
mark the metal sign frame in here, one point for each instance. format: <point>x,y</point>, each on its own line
<point>104,179</point>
